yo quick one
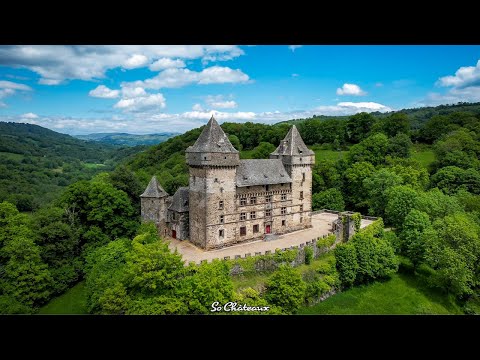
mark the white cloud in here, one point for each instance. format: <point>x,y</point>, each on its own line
<point>142,103</point>
<point>165,63</point>
<point>175,77</point>
<point>8,88</point>
<point>197,107</point>
<point>132,92</point>
<point>218,101</point>
<point>351,89</point>
<point>465,76</point>
<point>29,116</point>
<point>14,86</point>
<point>57,63</point>
<point>101,91</point>
<point>464,87</point>
<point>294,47</point>
<point>350,108</point>
<point>135,61</point>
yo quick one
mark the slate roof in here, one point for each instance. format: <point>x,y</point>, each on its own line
<point>292,144</point>
<point>261,172</point>
<point>180,200</point>
<point>154,189</point>
<point>212,139</point>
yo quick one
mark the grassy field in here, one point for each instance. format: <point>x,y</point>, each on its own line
<point>72,302</point>
<point>423,154</point>
<point>93,166</point>
<point>402,294</point>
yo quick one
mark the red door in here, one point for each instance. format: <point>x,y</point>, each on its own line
<point>174,234</point>
<point>267,229</point>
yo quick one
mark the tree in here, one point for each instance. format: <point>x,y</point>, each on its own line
<point>359,127</point>
<point>325,175</point>
<point>373,149</point>
<point>26,278</point>
<point>353,183</point>
<point>377,186</point>
<point>397,123</point>
<point>450,179</point>
<point>204,285</point>
<point>235,142</point>
<point>346,263</point>
<point>415,176</point>
<point>400,200</point>
<point>263,150</point>
<point>122,178</point>
<point>437,204</point>
<point>399,146</point>
<point>286,289</point>
<point>435,127</point>
<point>453,275</point>
<point>329,199</point>
<point>415,227</point>
<point>100,204</point>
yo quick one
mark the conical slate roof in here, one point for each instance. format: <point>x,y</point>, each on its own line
<point>213,140</point>
<point>154,189</point>
<point>180,200</point>
<point>292,144</point>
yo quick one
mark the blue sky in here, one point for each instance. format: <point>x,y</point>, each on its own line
<point>145,89</point>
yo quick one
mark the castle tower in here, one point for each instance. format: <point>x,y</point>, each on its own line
<point>298,161</point>
<point>213,164</point>
<point>153,205</point>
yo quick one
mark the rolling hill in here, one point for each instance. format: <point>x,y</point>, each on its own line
<point>125,139</point>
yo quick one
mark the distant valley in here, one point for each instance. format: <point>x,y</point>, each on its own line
<point>125,139</point>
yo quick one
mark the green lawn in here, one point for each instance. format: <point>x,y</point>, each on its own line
<point>328,154</point>
<point>73,301</point>
<point>402,294</point>
<point>93,166</point>
<point>423,154</point>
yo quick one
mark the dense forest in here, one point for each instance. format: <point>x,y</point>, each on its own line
<point>37,163</point>
<point>125,139</point>
<point>431,212</point>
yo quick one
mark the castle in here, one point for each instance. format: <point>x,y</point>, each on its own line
<point>229,200</point>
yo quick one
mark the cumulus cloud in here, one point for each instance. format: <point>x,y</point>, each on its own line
<point>351,89</point>
<point>175,77</point>
<point>165,63</point>
<point>218,101</point>
<point>294,47</point>
<point>9,88</point>
<point>101,91</point>
<point>464,86</point>
<point>29,116</point>
<point>465,76</point>
<point>57,63</point>
<point>142,103</point>
<point>132,92</point>
<point>136,61</point>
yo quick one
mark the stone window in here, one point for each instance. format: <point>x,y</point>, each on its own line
<point>284,210</point>
<point>303,176</point>
<point>301,219</point>
<point>255,228</point>
<point>220,205</point>
<point>243,216</point>
<point>266,187</point>
<point>268,198</point>
<point>301,208</point>
<point>284,197</point>
<point>268,212</point>
<point>222,219</point>
<point>301,195</point>
<point>243,202</point>
<point>253,215</point>
<point>253,200</point>
<point>221,233</point>
<point>283,222</point>
<point>243,231</point>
